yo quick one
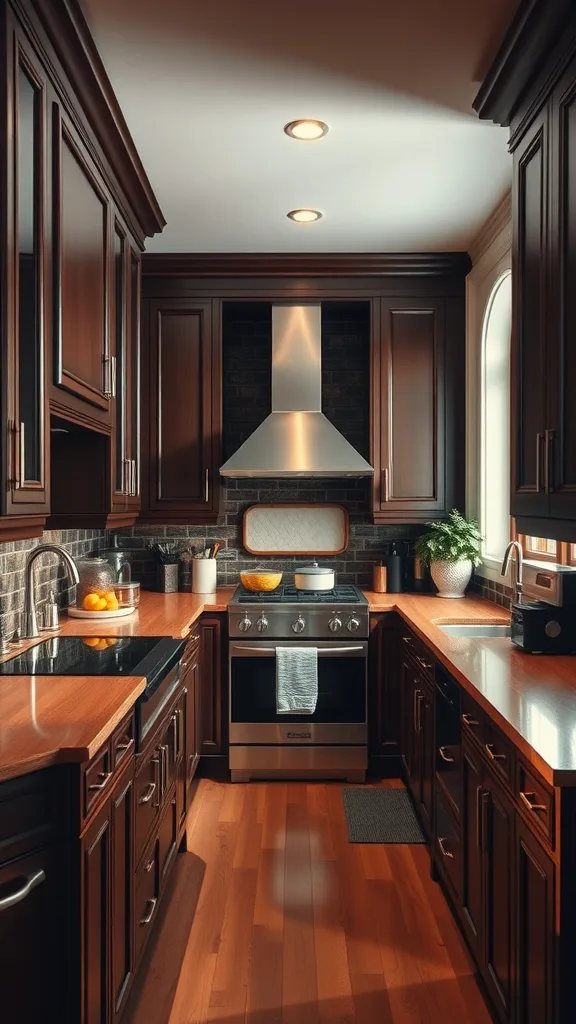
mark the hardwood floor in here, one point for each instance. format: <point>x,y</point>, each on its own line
<point>274,918</point>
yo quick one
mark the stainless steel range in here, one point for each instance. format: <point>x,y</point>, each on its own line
<point>331,742</point>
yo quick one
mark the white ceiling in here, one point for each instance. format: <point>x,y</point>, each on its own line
<point>206,89</point>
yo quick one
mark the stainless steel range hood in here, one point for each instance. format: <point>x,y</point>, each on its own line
<point>296,439</point>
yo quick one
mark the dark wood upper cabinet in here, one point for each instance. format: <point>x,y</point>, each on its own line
<point>82,363</point>
<point>125,461</point>
<point>133,378</point>
<point>181,385</point>
<point>416,384</point>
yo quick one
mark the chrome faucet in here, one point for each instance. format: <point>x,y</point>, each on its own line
<point>514,545</point>
<point>30,622</point>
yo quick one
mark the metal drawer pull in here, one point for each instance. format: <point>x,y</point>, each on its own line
<point>444,756</point>
<point>151,904</point>
<point>492,755</point>
<point>207,486</point>
<point>468,720</point>
<point>424,664</point>
<point>22,474</point>
<point>149,866</point>
<point>272,650</point>
<point>123,747</point>
<point>525,798</point>
<point>385,477</point>
<point>479,817</point>
<point>16,897</point>
<point>148,793</point>
<point>104,780</point>
<point>444,851</point>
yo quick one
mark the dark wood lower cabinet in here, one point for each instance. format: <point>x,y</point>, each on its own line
<point>95,918</point>
<point>122,893</point>
<point>497,830</point>
<point>418,738</point>
<point>472,900</point>
<point>384,701</point>
<point>213,700</point>
<point>534,877</point>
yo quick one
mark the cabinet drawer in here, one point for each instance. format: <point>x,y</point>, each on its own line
<point>122,742</point>
<point>500,753</point>
<point>536,800</point>
<point>448,846</point>
<point>148,798</point>
<point>167,840</point>
<point>147,892</point>
<point>191,651</point>
<point>419,654</point>
<point>472,718</point>
<point>96,778</point>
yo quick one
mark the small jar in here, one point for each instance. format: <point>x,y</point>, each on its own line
<point>96,577</point>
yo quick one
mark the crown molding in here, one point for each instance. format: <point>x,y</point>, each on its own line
<point>252,265</point>
<point>499,219</point>
<point>65,25</point>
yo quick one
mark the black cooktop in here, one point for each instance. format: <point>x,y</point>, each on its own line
<point>96,656</point>
<point>343,593</point>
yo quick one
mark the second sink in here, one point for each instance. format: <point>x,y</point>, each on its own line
<point>475,629</point>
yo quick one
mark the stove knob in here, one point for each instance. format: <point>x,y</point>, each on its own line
<point>299,624</point>
<point>334,623</point>
<point>245,623</point>
<point>353,624</point>
<point>262,623</point>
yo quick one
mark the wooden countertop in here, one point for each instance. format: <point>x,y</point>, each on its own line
<point>531,697</point>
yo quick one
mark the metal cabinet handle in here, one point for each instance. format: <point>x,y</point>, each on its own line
<point>468,720</point>
<point>445,853</point>
<point>113,376</point>
<point>490,751</point>
<point>386,482</point>
<point>22,472</point>
<point>444,756</point>
<point>427,665</point>
<point>549,462</point>
<point>16,897</point>
<point>104,780</point>
<point>122,747</point>
<point>539,439</point>
<point>149,866</point>
<point>207,487</point>
<point>148,793</point>
<point>107,382</point>
<point>419,709</point>
<point>525,798</point>
<point>479,817</point>
<point>156,763</point>
<point>151,904</point>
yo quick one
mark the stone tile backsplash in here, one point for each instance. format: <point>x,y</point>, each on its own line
<point>49,571</point>
<point>246,402</point>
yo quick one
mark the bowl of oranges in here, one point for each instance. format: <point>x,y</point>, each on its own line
<point>98,604</point>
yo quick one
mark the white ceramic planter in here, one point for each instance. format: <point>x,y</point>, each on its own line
<point>451,578</point>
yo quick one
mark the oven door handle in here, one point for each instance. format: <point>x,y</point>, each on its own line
<point>272,650</point>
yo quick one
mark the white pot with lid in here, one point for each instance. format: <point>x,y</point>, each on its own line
<point>314,577</point>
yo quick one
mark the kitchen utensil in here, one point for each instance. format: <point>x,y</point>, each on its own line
<point>203,575</point>
<point>49,621</point>
<point>314,577</point>
<point>79,613</point>
<point>261,580</point>
<point>127,594</point>
<point>394,569</point>
<point>116,557</point>
<point>96,577</point>
<point>379,579</point>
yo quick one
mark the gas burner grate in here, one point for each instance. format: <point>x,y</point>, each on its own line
<point>341,594</point>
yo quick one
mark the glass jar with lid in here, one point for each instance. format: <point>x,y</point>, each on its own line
<point>96,577</point>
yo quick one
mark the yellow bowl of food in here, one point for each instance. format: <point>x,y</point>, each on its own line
<point>261,580</point>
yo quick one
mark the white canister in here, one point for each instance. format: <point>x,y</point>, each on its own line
<point>314,577</point>
<point>203,575</point>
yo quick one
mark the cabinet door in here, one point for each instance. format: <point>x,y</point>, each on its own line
<point>428,754</point>
<point>27,239</point>
<point>535,936</point>
<point>409,408</point>
<point>133,378</point>
<point>182,398</point>
<point>412,747</point>
<point>82,365</point>
<point>560,452</point>
<point>121,469</point>
<point>30,975</point>
<point>497,840</point>
<point>122,892</point>
<point>95,919</point>
<point>384,693</point>
<point>212,703</point>
<point>190,680</point>
<point>530,323</point>
<point>472,774</point>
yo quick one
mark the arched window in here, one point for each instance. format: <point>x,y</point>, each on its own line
<point>495,419</point>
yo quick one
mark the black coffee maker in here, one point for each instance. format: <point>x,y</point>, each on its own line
<point>545,623</point>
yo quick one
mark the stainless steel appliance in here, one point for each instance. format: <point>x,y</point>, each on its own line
<point>544,622</point>
<point>332,742</point>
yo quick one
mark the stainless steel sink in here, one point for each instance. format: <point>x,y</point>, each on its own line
<point>477,630</point>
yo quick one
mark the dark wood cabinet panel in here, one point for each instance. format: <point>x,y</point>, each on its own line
<point>415,408</point>
<point>181,389</point>
<point>384,713</point>
<point>213,683</point>
<point>472,900</point>
<point>95,881</point>
<point>535,933</point>
<point>418,738</point>
<point>82,216</point>
<point>426,724</point>
<point>122,893</point>
<point>529,349</point>
<point>497,824</point>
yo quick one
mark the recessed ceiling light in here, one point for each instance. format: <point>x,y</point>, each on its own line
<point>306,130</point>
<point>304,216</point>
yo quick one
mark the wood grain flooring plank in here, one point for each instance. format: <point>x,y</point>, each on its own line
<point>321,839</point>
<point>371,1002</point>
<point>250,833</point>
<point>233,802</point>
<point>335,1003</point>
<point>299,988</point>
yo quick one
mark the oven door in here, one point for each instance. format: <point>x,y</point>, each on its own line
<point>340,715</point>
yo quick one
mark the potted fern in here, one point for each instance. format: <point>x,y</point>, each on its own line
<point>451,549</point>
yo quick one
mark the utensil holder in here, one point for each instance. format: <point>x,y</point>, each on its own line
<point>167,578</point>
<point>203,575</point>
